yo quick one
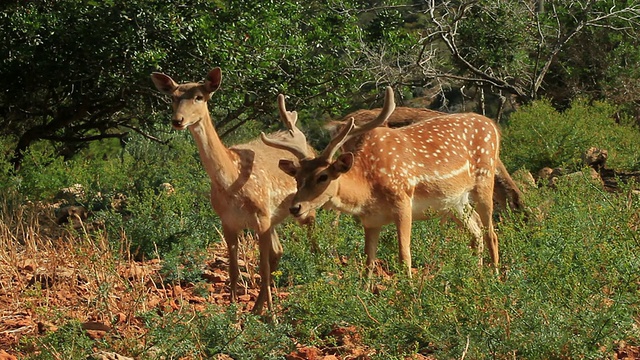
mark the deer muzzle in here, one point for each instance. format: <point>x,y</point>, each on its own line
<point>295,210</point>
<point>177,123</point>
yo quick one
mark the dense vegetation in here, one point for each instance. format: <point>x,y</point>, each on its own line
<point>79,108</point>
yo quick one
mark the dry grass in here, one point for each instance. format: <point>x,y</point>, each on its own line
<point>50,274</point>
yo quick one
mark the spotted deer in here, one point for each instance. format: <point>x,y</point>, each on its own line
<point>398,175</point>
<point>506,193</point>
<point>247,189</point>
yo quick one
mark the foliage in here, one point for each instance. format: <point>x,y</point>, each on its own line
<point>68,342</point>
<point>524,50</point>
<point>568,285</point>
<point>177,222</point>
<point>567,288</point>
<point>539,136</point>
<point>503,49</point>
<point>83,66</point>
<point>212,332</point>
<point>567,277</point>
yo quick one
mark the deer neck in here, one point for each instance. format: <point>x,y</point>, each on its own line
<point>220,163</point>
<point>353,191</point>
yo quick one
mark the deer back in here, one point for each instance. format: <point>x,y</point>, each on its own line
<point>435,153</point>
<point>402,116</point>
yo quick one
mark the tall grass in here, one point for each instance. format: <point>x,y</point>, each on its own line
<point>568,287</point>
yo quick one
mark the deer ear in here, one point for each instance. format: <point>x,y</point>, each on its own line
<point>288,167</point>
<point>343,163</point>
<point>213,80</point>
<point>163,83</point>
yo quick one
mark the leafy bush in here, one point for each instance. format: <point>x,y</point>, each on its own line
<point>68,342</point>
<point>156,221</point>
<point>537,136</point>
<point>211,332</point>
<point>567,286</point>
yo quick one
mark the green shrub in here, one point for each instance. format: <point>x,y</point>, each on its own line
<point>568,285</point>
<point>537,136</point>
<point>211,332</point>
<point>68,342</point>
<point>43,173</point>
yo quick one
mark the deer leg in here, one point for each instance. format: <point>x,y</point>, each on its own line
<point>371,238</point>
<point>276,251</point>
<point>231,238</point>
<point>403,227</point>
<point>484,207</point>
<point>267,247</point>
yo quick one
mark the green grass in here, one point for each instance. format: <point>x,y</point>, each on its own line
<point>568,288</point>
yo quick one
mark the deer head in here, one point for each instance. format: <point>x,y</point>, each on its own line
<point>189,101</point>
<point>315,176</point>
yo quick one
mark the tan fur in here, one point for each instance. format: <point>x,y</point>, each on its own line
<point>247,189</point>
<point>506,193</point>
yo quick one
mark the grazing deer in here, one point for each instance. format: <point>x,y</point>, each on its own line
<point>397,175</point>
<point>247,189</point>
<point>505,191</point>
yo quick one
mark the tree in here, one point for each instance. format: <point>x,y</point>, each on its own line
<point>79,70</point>
<point>521,48</point>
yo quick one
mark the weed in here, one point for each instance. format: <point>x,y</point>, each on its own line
<point>68,342</point>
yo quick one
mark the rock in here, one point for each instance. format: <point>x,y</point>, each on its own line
<point>166,188</point>
<point>6,356</point>
<point>75,215</point>
<point>104,355</point>
<point>595,158</point>
<point>524,179</point>
<point>72,194</point>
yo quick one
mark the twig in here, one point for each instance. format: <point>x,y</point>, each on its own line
<point>466,348</point>
<point>150,137</point>
<point>367,310</point>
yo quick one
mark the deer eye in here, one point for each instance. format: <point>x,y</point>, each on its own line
<point>199,98</point>
<point>323,178</point>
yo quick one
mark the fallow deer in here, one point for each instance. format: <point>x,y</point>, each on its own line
<point>506,193</point>
<point>397,175</point>
<point>247,189</point>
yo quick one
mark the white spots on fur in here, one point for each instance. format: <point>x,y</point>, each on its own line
<point>438,176</point>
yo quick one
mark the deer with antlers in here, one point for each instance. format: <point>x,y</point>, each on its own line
<point>247,189</point>
<point>506,193</point>
<point>397,175</point>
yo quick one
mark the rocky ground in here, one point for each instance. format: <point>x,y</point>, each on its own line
<point>46,282</point>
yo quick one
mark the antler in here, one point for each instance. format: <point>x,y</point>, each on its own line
<point>297,144</point>
<point>350,130</point>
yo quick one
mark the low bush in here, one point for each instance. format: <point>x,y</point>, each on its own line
<point>538,135</point>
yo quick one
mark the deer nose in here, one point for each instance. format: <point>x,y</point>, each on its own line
<point>295,209</point>
<point>177,123</point>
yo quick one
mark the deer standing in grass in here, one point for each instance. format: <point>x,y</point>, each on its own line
<point>397,175</point>
<point>247,189</point>
<point>505,191</point>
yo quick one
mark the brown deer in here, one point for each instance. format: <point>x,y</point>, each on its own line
<point>247,189</point>
<point>505,191</point>
<point>397,175</point>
